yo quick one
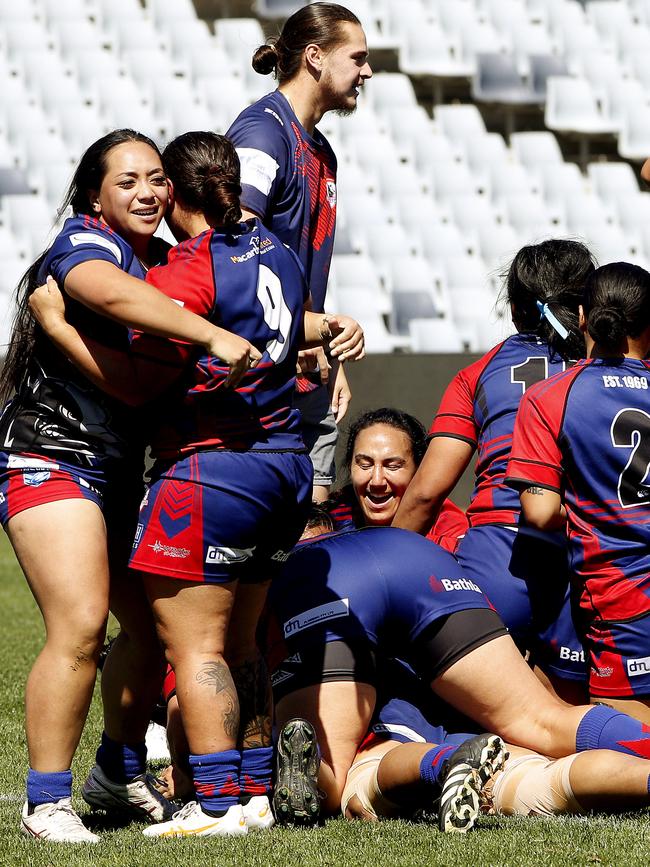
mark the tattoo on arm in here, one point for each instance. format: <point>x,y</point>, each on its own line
<point>538,492</point>
<point>216,675</point>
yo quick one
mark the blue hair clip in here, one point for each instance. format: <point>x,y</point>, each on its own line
<point>552,320</point>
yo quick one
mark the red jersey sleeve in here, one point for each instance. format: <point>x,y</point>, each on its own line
<point>535,457</point>
<point>187,279</point>
<point>455,416</point>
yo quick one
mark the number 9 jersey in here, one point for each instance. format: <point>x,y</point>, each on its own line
<point>585,433</point>
<point>246,281</point>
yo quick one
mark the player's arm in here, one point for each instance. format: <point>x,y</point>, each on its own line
<point>453,441</point>
<point>443,464</point>
<point>542,508</point>
<point>535,464</point>
<point>341,334</point>
<point>109,291</point>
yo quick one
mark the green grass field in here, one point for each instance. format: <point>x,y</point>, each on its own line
<point>579,841</point>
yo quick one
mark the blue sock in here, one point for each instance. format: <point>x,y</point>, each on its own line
<point>121,762</point>
<point>46,788</point>
<point>603,728</point>
<point>433,761</point>
<point>256,772</point>
<point>216,780</point>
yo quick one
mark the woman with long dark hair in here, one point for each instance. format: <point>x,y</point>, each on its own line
<point>580,457</point>
<point>71,463</point>
<point>522,572</point>
<point>231,482</point>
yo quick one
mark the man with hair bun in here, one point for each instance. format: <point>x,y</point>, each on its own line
<point>288,172</point>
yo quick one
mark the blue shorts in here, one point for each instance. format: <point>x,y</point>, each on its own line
<point>217,516</point>
<point>619,654</point>
<point>408,710</point>
<point>379,587</point>
<point>525,577</point>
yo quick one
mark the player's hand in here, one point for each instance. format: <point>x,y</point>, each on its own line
<point>340,394</point>
<point>347,340</point>
<point>47,306</point>
<point>238,353</point>
<point>313,360</point>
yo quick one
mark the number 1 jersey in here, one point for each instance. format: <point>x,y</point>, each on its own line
<point>479,406</point>
<point>585,433</point>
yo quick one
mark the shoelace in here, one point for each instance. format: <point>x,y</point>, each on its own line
<point>68,819</point>
<point>187,811</point>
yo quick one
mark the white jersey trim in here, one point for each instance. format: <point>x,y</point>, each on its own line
<point>80,238</point>
<point>258,169</point>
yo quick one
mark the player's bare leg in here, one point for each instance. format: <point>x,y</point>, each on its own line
<point>340,713</point>
<point>70,586</point>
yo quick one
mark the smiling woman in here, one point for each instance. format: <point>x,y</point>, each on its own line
<point>383,451</point>
<point>71,458</point>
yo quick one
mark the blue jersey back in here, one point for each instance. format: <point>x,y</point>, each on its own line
<point>249,283</point>
<point>57,410</point>
<point>289,180</point>
<point>480,406</point>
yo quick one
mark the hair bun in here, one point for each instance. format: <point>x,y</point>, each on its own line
<point>607,325</point>
<point>265,59</point>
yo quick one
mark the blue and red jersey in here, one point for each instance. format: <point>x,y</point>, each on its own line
<point>56,410</point>
<point>249,283</point>
<point>289,180</point>
<point>479,407</point>
<point>585,433</point>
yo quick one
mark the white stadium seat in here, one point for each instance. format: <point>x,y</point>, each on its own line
<point>434,335</point>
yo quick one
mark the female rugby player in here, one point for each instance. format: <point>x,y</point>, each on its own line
<point>232,480</point>
<point>523,572</point>
<point>580,458</point>
<point>383,450</point>
<point>72,458</point>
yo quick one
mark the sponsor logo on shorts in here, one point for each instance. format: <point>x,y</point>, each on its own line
<point>281,556</point>
<point>170,550</point>
<point>449,584</point>
<point>280,676</point>
<point>295,658</point>
<point>637,667</point>
<point>36,479</point>
<point>228,555</point>
<point>319,614</point>
<point>330,193</point>
<point>138,535</point>
<point>572,655</point>
<point>145,499</point>
<point>605,671</point>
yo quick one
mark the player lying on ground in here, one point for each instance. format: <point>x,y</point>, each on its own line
<point>344,599</point>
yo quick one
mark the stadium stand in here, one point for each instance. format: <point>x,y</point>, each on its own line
<point>433,196</point>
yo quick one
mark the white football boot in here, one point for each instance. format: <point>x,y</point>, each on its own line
<point>191,821</point>
<point>56,822</point>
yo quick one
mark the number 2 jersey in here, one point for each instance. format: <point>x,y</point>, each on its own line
<point>249,283</point>
<point>479,407</point>
<point>57,411</point>
<point>585,433</point>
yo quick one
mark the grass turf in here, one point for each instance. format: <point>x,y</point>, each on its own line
<point>579,841</point>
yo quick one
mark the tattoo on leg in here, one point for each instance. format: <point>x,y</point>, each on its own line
<point>216,675</point>
<point>254,690</point>
<point>537,492</point>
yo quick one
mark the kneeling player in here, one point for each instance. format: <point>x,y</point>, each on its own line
<point>343,600</point>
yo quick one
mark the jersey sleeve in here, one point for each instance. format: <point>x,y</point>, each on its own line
<point>261,148</point>
<point>84,245</point>
<point>189,281</point>
<point>535,457</point>
<point>455,416</point>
